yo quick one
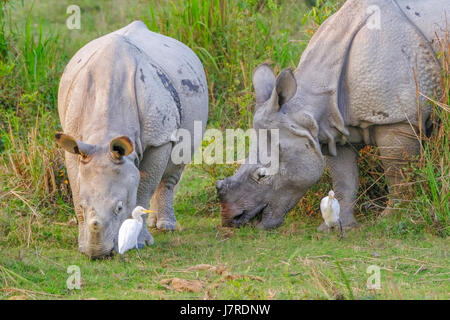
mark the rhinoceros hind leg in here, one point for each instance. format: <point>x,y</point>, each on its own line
<point>398,145</point>
<point>344,173</point>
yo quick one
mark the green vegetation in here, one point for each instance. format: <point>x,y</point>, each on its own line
<point>38,232</point>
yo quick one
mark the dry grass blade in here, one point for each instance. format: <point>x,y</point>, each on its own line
<point>13,276</point>
<point>230,276</point>
<point>27,293</point>
<point>7,193</point>
<point>26,203</point>
<point>200,267</point>
<point>178,284</point>
<point>439,104</point>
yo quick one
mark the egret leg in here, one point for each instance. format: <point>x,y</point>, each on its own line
<point>138,252</point>
<point>341,232</point>
<point>123,259</point>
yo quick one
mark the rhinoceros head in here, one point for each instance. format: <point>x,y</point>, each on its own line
<point>104,184</point>
<point>252,192</point>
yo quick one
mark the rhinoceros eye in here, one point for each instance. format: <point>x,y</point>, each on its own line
<point>260,174</point>
<point>84,158</point>
<point>119,207</point>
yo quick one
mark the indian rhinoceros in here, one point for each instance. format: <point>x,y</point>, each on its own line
<point>355,85</point>
<point>121,100</point>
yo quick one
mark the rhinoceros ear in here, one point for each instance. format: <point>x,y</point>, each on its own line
<point>285,89</point>
<point>120,147</point>
<point>263,82</point>
<point>286,86</point>
<point>73,146</point>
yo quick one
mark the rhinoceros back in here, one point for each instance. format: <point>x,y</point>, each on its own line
<point>385,62</point>
<point>135,77</point>
<point>430,17</point>
<point>361,62</point>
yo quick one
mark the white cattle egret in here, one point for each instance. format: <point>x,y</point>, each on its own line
<point>130,229</point>
<point>329,206</point>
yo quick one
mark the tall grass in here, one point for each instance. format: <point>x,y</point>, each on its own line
<point>431,189</point>
<point>232,38</point>
<point>32,175</point>
<point>37,55</point>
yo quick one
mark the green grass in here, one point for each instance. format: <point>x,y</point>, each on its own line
<point>38,236</point>
<point>292,262</point>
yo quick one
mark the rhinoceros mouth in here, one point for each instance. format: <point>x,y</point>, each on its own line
<point>101,255</point>
<point>96,253</point>
<point>246,215</point>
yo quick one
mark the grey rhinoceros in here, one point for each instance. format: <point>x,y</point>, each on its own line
<point>121,100</point>
<point>355,85</point>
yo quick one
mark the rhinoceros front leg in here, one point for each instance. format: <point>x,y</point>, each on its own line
<point>162,200</point>
<point>398,145</point>
<point>152,168</point>
<point>344,173</point>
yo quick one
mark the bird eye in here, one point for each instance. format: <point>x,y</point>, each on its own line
<point>119,207</point>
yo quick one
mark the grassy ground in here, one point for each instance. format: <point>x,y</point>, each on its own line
<point>293,262</point>
<point>38,233</point>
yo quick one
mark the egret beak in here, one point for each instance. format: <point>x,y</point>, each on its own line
<point>148,211</point>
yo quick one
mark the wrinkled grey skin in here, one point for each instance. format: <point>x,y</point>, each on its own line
<point>354,86</point>
<point>121,99</point>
